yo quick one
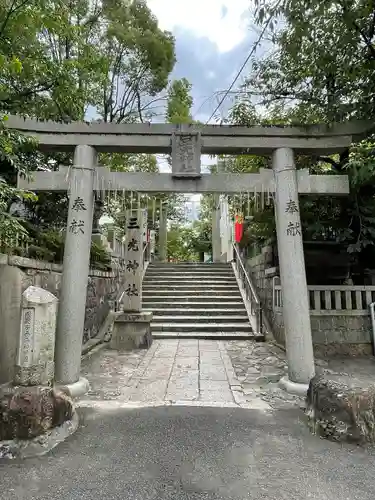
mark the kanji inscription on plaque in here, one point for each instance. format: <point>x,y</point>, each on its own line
<point>186,154</point>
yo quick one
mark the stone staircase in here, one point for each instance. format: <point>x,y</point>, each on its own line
<point>195,301</point>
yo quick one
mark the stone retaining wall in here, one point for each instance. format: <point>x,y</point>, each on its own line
<point>17,273</point>
<point>343,332</point>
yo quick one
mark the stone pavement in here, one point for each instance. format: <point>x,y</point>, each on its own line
<point>259,448</point>
<point>189,372</point>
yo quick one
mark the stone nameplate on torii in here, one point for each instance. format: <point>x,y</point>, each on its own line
<point>186,154</point>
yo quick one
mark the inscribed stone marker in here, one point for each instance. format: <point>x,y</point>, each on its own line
<point>186,154</point>
<point>132,298</point>
<point>35,363</point>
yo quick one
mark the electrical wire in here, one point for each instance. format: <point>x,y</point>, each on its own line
<point>251,53</point>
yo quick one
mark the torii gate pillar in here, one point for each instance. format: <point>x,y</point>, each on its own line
<point>71,317</point>
<point>296,309</point>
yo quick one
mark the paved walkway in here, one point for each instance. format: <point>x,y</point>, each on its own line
<point>256,449</point>
<point>189,372</point>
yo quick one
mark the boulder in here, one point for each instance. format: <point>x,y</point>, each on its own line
<point>341,408</point>
<point>27,412</point>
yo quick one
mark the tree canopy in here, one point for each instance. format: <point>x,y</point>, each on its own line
<point>76,60</point>
<point>319,67</point>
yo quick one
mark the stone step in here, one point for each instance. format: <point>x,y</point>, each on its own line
<point>200,327</point>
<point>197,270</point>
<point>200,318</point>
<point>191,287</point>
<point>205,311</point>
<point>191,265</point>
<point>178,302</point>
<point>189,276</point>
<point>204,294</point>
<point>189,269</point>
<point>208,335</point>
<point>192,282</point>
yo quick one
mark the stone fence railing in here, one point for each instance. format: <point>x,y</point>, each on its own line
<point>339,315</point>
<point>333,300</point>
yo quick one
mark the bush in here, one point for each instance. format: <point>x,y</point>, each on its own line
<point>49,246</point>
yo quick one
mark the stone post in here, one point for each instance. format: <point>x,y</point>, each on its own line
<point>296,309</point>
<point>36,348</point>
<point>98,212</point>
<point>70,321</point>
<point>163,235</point>
<point>216,238</point>
<point>152,243</point>
<point>132,328</point>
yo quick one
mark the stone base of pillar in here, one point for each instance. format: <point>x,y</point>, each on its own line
<point>293,387</point>
<point>77,389</point>
<point>132,330</point>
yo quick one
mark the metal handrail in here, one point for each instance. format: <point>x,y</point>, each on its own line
<point>246,274</point>
<point>256,312</point>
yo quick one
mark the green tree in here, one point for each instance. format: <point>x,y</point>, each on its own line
<point>324,58</point>
<point>179,102</point>
<point>179,245</point>
<point>109,55</point>
<point>322,70</point>
<point>15,151</point>
<point>110,58</point>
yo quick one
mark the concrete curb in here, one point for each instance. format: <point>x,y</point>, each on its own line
<point>293,387</point>
<point>40,445</point>
<point>79,388</point>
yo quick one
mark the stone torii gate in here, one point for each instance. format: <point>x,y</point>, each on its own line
<point>187,143</point>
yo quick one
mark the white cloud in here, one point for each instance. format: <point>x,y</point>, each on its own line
<point>205,18</point>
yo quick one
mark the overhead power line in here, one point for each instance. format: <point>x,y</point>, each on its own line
<point>242,68</point>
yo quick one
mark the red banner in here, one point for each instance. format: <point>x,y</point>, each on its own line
<point>238,228</point>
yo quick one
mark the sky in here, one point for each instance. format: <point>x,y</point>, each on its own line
<point>213,38</point>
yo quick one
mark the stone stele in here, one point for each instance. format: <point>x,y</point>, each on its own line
<point>35,361</point>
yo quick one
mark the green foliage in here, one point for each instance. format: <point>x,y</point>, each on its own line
<point>189,243</point>
<point>110,55</point>
<point>49,246</point>
<point>179,244</point>
<point>201,241</point>
<point>321,69</point>
<point>323,59</point>
<point>15,150</point>
<point>99,257</point>
<point>179,102</point>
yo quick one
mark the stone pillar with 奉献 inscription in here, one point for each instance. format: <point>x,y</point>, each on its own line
<point>71,317</point>
<point>132,325</point>
<point>36,348</point>
<point>296,310</point>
